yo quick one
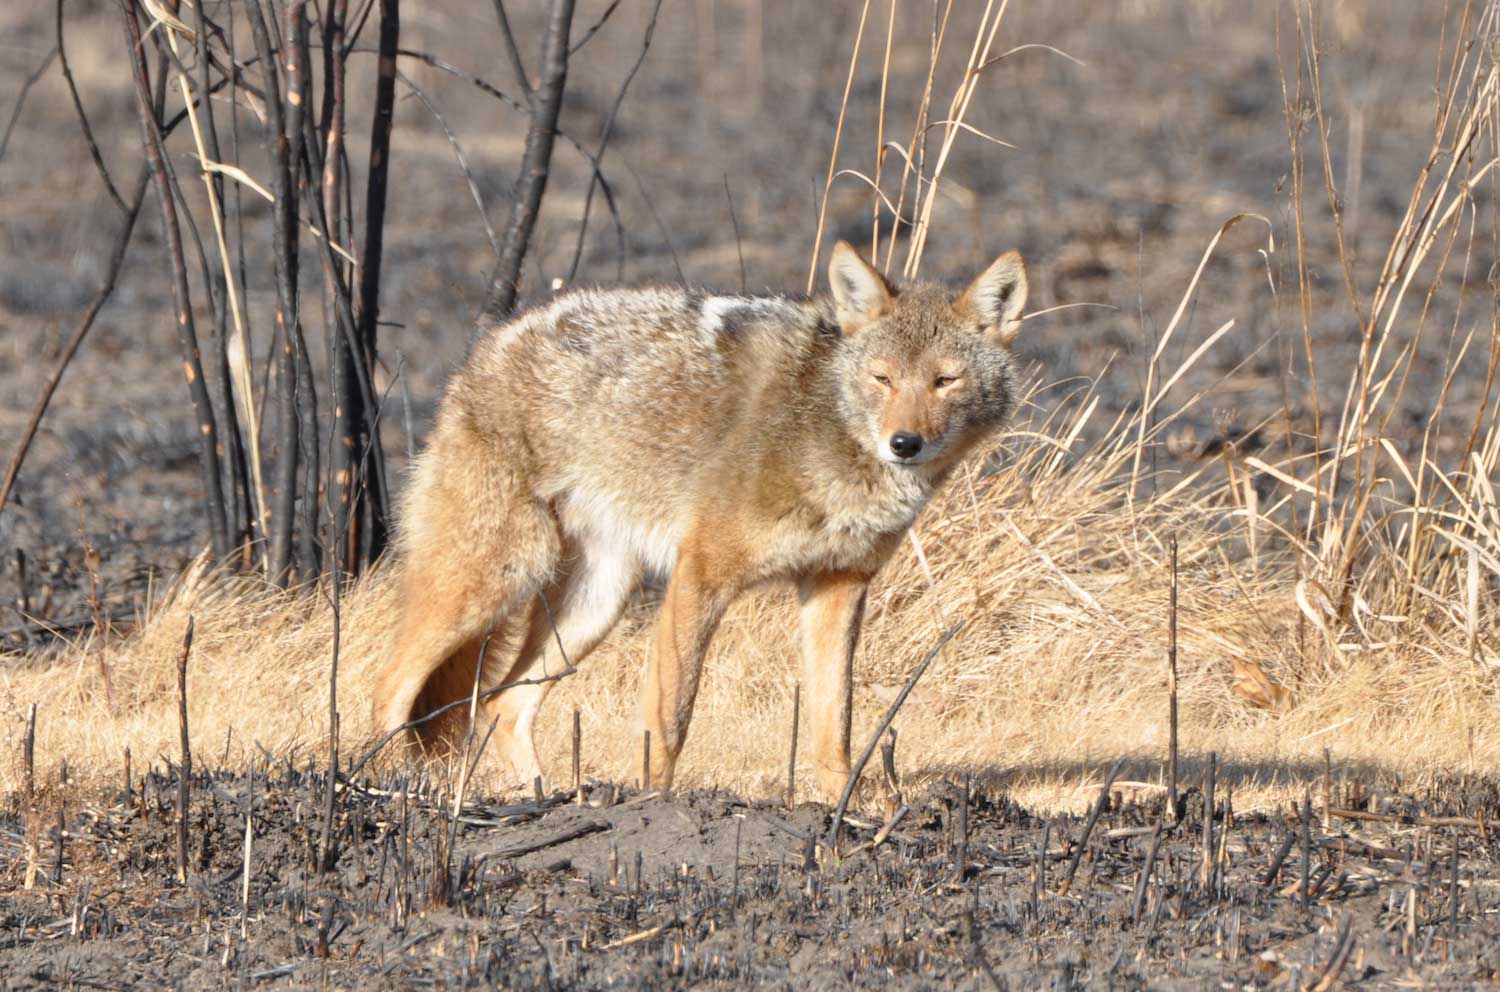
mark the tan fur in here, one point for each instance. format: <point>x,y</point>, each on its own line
<point>722,442</point>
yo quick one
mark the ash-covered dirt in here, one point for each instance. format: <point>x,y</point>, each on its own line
<point>702,889</point>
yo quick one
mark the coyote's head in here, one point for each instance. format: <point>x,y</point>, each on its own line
<point>924,372</point>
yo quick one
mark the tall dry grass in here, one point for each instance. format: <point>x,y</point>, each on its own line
<point>1338,588</point>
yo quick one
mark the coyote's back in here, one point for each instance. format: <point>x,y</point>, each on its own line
<point>720,440</point>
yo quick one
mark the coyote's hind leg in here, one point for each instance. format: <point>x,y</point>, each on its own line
<point>578,611</point>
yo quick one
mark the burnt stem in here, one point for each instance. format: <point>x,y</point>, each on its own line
<point>1172,688</point>
<point>376,490</point>
<point>791,763</point>
<point>545,104</point>
<point>284,251</point>
<point>187,335</point>
<point>185,769</point>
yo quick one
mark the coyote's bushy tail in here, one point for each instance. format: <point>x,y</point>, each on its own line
<point>476,549</point>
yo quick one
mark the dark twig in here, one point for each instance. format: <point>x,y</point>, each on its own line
<point>666,234</point>
<point>739,245</point>
<point>377,492</point>
<point>1172,688</point>
<point>1209,782</point>
<point>238,275</point>
<point>359,25</point>
<point>326,853</point>
<point>489,89</point>
<point>352,445</point>
<point>1303,886</point>
<point>238,506</point>
<point>1327,788</point>
<point>1039,872</point>
<point>961,847</point>
<point>791,764</point>
<point>192,363</point>
<point>360,465</point>
<point>531,183</point>
<point>893,797</point>
<point>284,251</point>
<point>1411,821</point>
<point>309,550</point>
<point>890,715</point>
<point>44,398</point>
<point>28,793</point>
<point>562,837</point>
<point>1343,944</point>
<point>1088,828</point>
<point>1453,893</point>
<point>577,756</point>
<point>734,885</point>
<point>1144,883</point>
<point>83,119</point>
<point>30,81</point>
<point>185,768</point>
<point>605,133</point>
<point>303,145</point>
<point>62,833</point>
<point>594,28</point>
<point>597,173</point>
<point>513,53</point>
<point>342,494</point>
<point>235,82</point>
<point>1278,859</point>
<point>213,289</point>
<point>459,157</point>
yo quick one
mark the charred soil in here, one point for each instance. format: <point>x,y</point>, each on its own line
<point>632,890</point>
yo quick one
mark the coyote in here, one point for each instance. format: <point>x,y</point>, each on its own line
<point>717,442</point>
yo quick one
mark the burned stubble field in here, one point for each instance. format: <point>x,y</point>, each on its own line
<point>961,888</point>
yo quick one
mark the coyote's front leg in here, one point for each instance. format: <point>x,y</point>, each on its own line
<point>690,613</point>
<point>833,607</point>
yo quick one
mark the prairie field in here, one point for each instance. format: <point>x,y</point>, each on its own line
<point>1241,540</point>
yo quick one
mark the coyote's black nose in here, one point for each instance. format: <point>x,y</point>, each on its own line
<point>906,445</point>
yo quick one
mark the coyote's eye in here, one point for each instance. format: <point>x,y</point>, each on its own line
<point>944,381</point>
<point>883,380</point>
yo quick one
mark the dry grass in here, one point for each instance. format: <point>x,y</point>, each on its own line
<point>1363,576</point>
<point>1064,587</point>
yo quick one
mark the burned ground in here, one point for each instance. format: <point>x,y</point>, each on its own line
<point>631,890</point>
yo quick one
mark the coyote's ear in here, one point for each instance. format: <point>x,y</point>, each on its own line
<point>998,296</point>
<point>860,292</point>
